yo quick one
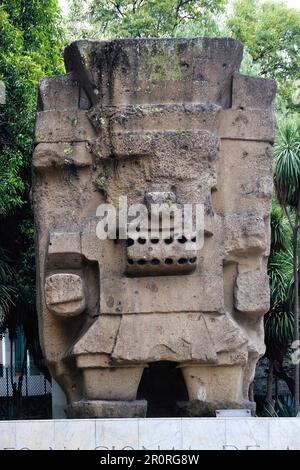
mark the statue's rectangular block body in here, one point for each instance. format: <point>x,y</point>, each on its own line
<point>168,121</point>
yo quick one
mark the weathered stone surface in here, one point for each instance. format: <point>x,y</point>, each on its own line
<point>111,383</point>
<point>244,178</point>
<point>245,234</point>
<point>60,243</point>
<point>209,384</point>
<point>151,71</point>
<point>167,121</point>
<point>146,144</point>
<point>252,291</point>
<point>153,117</point>
<point>165,198</point>
<point>70,125</point>
<point>59,92</point>
<point>61,155</point>
<point>208,408</point>
<point>107,339</point>
<point>107,409</point>
<point>181,344</point>
<point>65,294</point>
<point>252,92</point>
<point>99,338</point>
<point>196,294</point>
<point>247,124</point>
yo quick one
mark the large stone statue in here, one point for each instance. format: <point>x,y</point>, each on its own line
<point>153,120</point>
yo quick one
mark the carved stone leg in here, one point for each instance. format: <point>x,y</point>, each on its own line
<point>212,387</point>
<point>112,383</point>
<point>110,392</point>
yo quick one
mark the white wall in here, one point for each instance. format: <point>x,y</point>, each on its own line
<point>153,434</point>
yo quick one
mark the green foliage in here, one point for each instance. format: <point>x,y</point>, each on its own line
<point>280,229</point>
<point>284,408</point>
<point>147,18</point>
<point>30,48</point>
<point>11,183</point>
<point>39,24</point>
<point>31,38</point>
<point>287,163</point>
<point>282,320</point>
<point>270,31</point>
<point>279,320</point>
<point>281,278</point>
<point>7,291</point>
<point>278,333</point>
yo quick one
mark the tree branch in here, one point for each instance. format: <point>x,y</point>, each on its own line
<point>180,4</point>
<point>288,217</point>
<point>283,375</point>
<point>118,8</point>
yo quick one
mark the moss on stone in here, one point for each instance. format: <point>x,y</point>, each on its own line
<point>68,150</point>
<point>164,67</point>
<point>74,121</point>
<point>101,182</point>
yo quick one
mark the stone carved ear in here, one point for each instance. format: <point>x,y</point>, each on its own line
<point>251,293</point>
<point>65,294</point>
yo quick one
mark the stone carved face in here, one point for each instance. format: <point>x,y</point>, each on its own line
<point>153,119</point>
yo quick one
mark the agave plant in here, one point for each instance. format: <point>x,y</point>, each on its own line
<point>280,270</point>
<point>280,229</point>
<point>284,408</point>
<point>279,320</point>
<point>287,163</point>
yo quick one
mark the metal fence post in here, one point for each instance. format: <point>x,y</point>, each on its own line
<point>7,386</point>
<point>26,382</point>
<point>35,391</point>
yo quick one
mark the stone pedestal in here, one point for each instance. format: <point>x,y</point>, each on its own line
<point>207,408</point>
<point>107,409</point>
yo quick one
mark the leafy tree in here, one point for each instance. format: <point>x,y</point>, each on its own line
<point>287,185</point>
<point>270,30</point>
<point>7,291</point>
<point>31,38</point>
<point>147,18</point>
<point>31,42</point>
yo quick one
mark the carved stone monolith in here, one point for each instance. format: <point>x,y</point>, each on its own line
<point>167,121</point>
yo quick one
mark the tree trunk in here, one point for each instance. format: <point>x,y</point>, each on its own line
<point>283,375</point>
<point>12,381</point>
<point>19,395</point>
<point>269,396</point>
<point>296,313</point>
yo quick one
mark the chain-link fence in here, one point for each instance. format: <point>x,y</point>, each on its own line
<point>26,396</point>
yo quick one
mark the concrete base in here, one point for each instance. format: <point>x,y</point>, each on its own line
<point>107,409</point>
<point>152,434</point>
